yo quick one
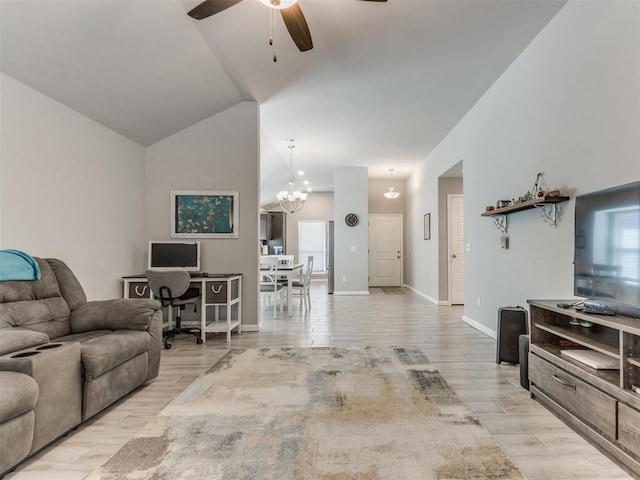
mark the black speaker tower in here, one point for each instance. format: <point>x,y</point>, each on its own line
<point>512,322</point>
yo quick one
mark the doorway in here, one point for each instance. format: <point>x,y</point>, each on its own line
<point>450,183</point>
<point>385,250</point>
<point>455,236</point>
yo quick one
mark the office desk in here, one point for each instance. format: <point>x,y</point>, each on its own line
<point>289,272</point>
<point>218,290</point>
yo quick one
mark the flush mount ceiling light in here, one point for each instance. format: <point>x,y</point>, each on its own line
<point>391,194</point>
<point>291,200</point>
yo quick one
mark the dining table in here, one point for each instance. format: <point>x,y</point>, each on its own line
<point>288,272</point>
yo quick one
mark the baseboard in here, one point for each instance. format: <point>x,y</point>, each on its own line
<point>251,328</point>
<point>441,303</point>
<point>344,293</point>
<point>478,326</point>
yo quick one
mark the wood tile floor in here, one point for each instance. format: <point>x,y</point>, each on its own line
<point>538,443</point>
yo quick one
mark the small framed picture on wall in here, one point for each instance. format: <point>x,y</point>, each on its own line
<point>427,226</point>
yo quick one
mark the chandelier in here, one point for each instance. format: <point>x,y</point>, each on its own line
<point>391,194</point>
<point>291,200</point>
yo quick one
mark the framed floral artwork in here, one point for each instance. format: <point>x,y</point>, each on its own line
<point>204,214</point>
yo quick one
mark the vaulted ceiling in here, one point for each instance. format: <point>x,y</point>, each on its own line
<point>384,83</point>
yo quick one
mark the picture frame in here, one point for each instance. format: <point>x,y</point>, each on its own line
<point>204,214</point>
<point>427,226</point>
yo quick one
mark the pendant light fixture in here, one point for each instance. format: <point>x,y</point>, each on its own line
<point>291,200</point>
<point>391,194</point>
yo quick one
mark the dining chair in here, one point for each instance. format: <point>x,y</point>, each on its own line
<point>301,287</point>
<point>171,289</point>
<point>285,260</point>
<point>271,289</point>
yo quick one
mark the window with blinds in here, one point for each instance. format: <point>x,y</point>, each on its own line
<point>312,241</point>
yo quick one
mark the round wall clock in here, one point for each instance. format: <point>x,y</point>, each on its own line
<point>351,219</point>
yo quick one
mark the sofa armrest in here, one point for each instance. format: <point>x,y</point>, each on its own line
<point>117,314</point>
<point>15,338</point>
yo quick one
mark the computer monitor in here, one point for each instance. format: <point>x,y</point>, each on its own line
<point>174,255</point>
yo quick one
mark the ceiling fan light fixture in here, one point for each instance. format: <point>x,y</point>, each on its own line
<point>278,4</point>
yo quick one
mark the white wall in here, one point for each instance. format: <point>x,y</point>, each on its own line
<point>568,107</point>
<point>219,153</point>
<point>69,188</point>
<point>351,243</point>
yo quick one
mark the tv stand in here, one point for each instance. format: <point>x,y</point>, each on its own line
<point>600,404</point>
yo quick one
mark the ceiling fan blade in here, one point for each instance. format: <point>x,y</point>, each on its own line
<point>297,26</point>
<point>211,7</point>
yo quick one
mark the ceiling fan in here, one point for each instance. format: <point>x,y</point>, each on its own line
<point>289,9</point>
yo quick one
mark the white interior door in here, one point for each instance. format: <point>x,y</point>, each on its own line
<point>455,219</point>
<point>385,250</point>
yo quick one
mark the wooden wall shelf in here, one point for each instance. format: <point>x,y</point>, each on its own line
<point>548,211</point>
<point>518,207</point>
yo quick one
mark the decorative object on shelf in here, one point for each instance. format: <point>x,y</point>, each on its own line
<point>204,214</point>
<point>427,226</point>
<point>503,203</point>
<point>351,219</point>
<point>391,194</point>
<point>489,208</point>
<point>537,190</point>
<point>291,200</point>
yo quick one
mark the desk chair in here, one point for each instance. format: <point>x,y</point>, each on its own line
<point>171,288</point>
<point>270,287</point>
<point>301,287</point>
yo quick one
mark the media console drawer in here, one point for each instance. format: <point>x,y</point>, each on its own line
<point>578,397</point>
<point>629,428</point>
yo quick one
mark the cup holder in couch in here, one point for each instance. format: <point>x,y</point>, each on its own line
<point>24,354</point>
<point>49,346</point>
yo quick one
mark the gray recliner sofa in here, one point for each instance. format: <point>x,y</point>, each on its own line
<point>64,359</point>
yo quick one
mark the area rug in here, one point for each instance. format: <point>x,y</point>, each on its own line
<point>314,413</point>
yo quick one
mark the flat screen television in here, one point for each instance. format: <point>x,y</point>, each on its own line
<point>607,249</point>
<point>174,255</point>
